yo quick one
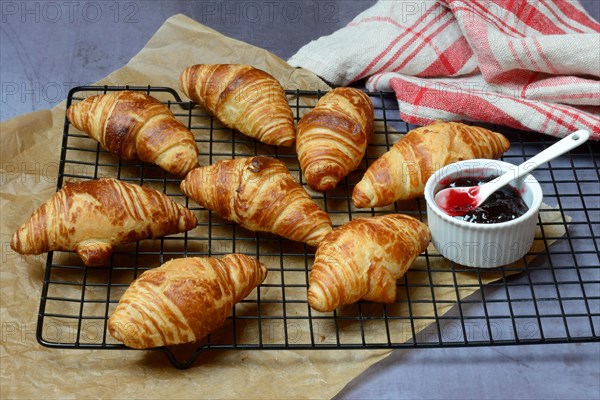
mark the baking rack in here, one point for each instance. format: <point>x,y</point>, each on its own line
<point>552,295</point>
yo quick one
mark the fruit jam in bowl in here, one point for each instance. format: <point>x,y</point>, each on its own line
<point>505,204</point>
<point>499,231</point>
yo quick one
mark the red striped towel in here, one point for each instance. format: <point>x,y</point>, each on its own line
<point>527,64</point>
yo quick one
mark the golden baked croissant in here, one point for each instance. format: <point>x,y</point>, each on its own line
<point>134,125</point>
<point>183,300</point>
<point>401,173</point>
<point>243,98</point>
<point>260,194</point>
<point>332,138</point>
<point>363,258</point>
<point>93,217</point>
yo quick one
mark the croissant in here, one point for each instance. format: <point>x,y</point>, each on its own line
<point>93,217</point>
<point>260,194</point>
<point>332,138</point>
<point>243,98</point>
<point>401,173</point>
<point>134,125</point>
<point>183,300</point>
<point>363,258</point>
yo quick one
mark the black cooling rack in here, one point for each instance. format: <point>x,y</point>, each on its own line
<point>550,296</point>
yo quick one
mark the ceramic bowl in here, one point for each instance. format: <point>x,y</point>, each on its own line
<point>482,245</point>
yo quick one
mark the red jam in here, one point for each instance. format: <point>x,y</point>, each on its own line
<point>503,205</point>
<point>459,203</point>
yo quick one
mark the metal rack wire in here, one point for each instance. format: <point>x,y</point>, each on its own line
<point>551,296</point>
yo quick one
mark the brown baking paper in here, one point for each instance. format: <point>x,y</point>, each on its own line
<point>30,153</point>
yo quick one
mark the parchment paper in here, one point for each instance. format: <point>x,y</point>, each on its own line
<point>30,152</point>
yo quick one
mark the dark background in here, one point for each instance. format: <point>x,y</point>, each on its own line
<point>90,39</point>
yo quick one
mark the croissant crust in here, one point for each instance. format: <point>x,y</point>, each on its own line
<point>260,194</point>
<point>333,137</point>
<point>183,300</point>
<point>134,125</point>
<point>363,258</point>
<point>402,172</point>
<point>243,98</point>
<point>93,217</point>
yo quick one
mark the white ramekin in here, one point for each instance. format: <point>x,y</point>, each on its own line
<point>482,245</point>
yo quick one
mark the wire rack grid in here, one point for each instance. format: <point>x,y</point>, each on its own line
<point>552,295</point>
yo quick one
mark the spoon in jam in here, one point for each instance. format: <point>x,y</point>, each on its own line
<point>458,201</point>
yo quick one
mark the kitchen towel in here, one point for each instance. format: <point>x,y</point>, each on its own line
<point>527,64</point>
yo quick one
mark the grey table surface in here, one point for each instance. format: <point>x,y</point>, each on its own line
<point>95,37</point>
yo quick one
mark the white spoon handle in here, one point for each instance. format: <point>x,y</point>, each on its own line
<point>557,149</point>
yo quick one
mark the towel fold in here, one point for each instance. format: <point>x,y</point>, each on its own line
<point>527,64</point>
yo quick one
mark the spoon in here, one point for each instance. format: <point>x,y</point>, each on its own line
<point>458,201</point>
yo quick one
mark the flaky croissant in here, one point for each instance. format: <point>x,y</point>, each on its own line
<point>134,125</point>
<point>260,194</point>
<point>332,138</point>
<point>363,258</point>
<point>243,98</point>
<point>93,217</point>
<point>401,173</point>
<point>183,300</point>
